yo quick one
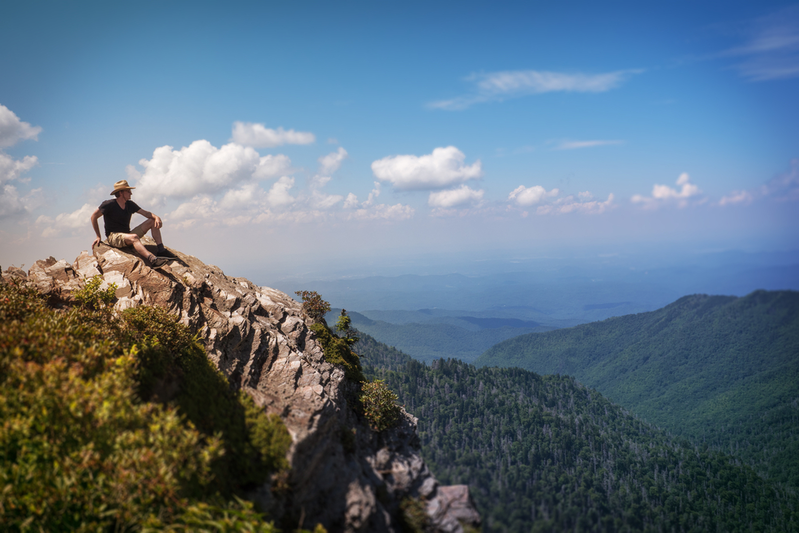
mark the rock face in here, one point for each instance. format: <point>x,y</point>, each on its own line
<point>344,475</point>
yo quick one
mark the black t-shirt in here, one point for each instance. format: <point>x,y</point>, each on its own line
<point>116,219</point>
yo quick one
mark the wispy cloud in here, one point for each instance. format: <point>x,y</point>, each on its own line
<point>771,49</point>
<point>736,197</point>
<point>497,86</point>
<point>784,186</point>
<point>584,203</point>
<point>574,145</point>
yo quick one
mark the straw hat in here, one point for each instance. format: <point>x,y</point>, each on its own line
<point>121,185</point>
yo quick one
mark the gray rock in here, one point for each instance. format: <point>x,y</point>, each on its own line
<point>260,339</point>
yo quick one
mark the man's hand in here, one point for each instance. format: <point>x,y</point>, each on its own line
<point>96,242</point>
<point>157,222</point>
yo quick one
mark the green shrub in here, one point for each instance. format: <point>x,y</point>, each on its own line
<point>78,451</point>
<point>414,518</point>
<point>313,304</point>
<point>82,450</point>
<point>92,297</point>
<point>379,405</point>
<point>338,352</point>
<point>234,518</point>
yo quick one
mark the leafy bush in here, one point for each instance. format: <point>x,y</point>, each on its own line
<point>379,405</point>
<point>237,517</point>
<point>338,352</point>
<point>80,450</point>
<point>313,304</point>
<point>92,297</point>
<point>414,518</point>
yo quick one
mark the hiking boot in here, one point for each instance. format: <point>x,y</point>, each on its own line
<point>159,261</point>
<point>166,253</point>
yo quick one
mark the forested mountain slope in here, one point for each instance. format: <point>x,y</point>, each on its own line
<point>544,453</point>
<point>718,369</point>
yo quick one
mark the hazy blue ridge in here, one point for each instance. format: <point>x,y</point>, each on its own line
<point>463,337</point>
<point>719,369</point>
<point>544,453</point>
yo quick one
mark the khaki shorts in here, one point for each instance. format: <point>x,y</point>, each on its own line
<point>117,240</point>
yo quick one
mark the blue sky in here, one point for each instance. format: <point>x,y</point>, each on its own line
<point>305,134</point>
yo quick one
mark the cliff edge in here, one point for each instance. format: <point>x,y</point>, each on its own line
<point>343,474</point>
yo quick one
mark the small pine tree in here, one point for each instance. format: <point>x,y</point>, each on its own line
<point>344,326</point>
<point>313,305</point>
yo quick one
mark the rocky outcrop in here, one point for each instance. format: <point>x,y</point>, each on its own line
<point>344,475</point>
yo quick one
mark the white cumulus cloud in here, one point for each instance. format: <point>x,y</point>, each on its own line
<point>278,195</point>
<point>351,201</point>
<point>259,136</point>
<point>496,86</point>
<point>527,196</point>
<point>13,130</point>
<point>12,169</point>
<point>442,168</point>
<point>332,161</point>
<point>64,222</point>
<point>454,197</point>
<point>662,194</point>
<point>201,168</point>
<point>12,201</point>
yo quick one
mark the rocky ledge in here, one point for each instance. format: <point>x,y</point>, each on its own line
<point>343,475</point>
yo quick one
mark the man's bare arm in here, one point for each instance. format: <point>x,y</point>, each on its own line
<point>156,218</point>
<point>96,215</point>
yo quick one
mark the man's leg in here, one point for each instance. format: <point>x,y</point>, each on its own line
<point>132,239</point>
<point>149,225</point>
<point>142,229</point>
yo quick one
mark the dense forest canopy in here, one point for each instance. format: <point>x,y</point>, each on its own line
<point>544,453</point>
<point>716,369</point>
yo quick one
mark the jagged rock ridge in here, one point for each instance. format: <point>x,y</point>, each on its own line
<point>260,340</point>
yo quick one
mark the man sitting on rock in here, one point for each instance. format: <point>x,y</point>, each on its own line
<point>116,218</point>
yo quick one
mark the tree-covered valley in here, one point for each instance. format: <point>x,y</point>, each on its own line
<point>544,453</point>
<point>718,370</point>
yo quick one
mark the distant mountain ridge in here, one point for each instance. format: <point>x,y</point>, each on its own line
<point>442,336</point>
<point>721,369</point>
<point>544,453</point>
